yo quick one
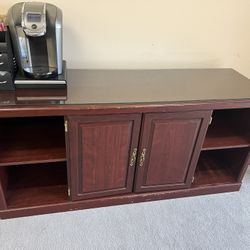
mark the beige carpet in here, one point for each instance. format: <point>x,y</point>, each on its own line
<point>207,222</point>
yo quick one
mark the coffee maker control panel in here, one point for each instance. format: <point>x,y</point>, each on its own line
<point>34,18</point>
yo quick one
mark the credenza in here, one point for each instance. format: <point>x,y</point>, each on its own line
<point>123,136</point>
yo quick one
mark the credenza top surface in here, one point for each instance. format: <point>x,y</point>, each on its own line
<point>137,86</point>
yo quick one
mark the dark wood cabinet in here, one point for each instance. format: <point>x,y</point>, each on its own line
<point>102,154</point>
<point>169,149</point>
<point>121,136</point>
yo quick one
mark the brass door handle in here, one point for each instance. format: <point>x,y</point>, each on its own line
<point>142,157</point>
<point>133,157</point>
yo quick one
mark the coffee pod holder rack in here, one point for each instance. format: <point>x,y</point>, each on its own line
<point>7,62</point>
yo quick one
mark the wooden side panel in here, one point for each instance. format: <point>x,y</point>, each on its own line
<point>3,187</point>
<point>100,150</point>
<point>172,142</point>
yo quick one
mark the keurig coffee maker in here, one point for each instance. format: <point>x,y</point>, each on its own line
<point>36,32</point>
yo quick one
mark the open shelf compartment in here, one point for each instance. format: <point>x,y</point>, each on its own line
<point>30,140</point>
<point>35,185</point>
<point>229,129</point>
<point>224,166</point>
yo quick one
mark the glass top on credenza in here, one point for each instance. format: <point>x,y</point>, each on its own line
<point>136,86</point>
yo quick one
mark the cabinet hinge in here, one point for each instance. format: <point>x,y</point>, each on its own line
<point>66,126</point>
<point>211,119</point>
<point>69,192</point>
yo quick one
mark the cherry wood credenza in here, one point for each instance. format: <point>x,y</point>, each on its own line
<point>123,136</point>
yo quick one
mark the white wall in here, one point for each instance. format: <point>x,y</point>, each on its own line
<point>155,33</point>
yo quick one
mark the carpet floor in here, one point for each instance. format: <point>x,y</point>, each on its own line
<point>220,221</point>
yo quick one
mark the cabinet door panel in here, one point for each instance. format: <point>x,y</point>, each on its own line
<point>100,149</point>
<point>171,142</point>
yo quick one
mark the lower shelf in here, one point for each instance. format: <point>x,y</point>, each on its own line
<point>61,205</point>
<point>221,166</point>
<point>36,196</point>
<point>217,171</point>
<point>211,170</point>
<point>35,185</point>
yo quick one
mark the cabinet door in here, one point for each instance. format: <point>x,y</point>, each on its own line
<point>169,149</point>
<point>102,152</point>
